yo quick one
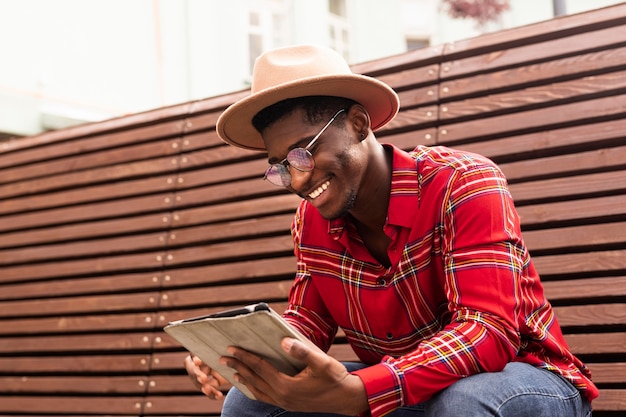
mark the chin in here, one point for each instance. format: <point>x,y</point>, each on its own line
<point>338,212</point>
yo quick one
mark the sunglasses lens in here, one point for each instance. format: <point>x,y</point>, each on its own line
<point>278,174</point>
<point>300,159</point>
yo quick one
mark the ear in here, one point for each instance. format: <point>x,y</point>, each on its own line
<point>359,121</point>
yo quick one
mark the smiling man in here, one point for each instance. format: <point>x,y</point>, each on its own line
<point>417,256</point>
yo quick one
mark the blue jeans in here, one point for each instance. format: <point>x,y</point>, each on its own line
<point>520,390</point>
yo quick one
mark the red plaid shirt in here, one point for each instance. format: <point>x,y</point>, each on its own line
<point>461,296</point>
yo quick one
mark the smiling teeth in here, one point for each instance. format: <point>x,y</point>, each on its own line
<point>319,190</point>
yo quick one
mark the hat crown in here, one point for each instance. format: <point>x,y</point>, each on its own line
<point>285,65</point>
<point>300,71</point>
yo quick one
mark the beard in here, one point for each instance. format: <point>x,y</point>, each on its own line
<point>344,210</point>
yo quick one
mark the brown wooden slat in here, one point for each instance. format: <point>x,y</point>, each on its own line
<point>410,140</point>
<point>184,404</point>
<point>569,186</point>
<point>117,170</point>
<point>576,44</point>
<point>607,373</point>
<point>96,229</point>
<point>586,288</point>
<point>73,324</point>
<point>93,137</point>
<point>168,316</point>
<point>200,121</point>
<point>605,159</point>
<point>90,194</point>
<point>420,96</point>
<point>89,364</point>
<point>42,385</point>
<point>533,97</point>
<point>232,230</point>
<point>148,222</point>
<point>171,384</point>
<point>417,118</point>
<point>597,61</point>
<point>579,236</point>
<point>166,361</point>
<point>112,284</point>
<point>62,215</point>
<point>257,270</point>
<point>266,247</point>
<point>100,247</point>
<point>146,242</point>
<point>224,163</point>
<point>551,141</point>
<point>610,400</point>
<point>596,343</point>
<point>71,405</point>
<point>227,294</point>
<point>216,175</point>
<point>221,193</point>
<point>591,315</point>
<point>586,208</point>
<point>109,265</point>
<point>86,161</point>
<point>385,68</point>
<point>67,344</point>
<point>196,140</point>
<point>232,210</point>
<point>613,260</point>
<point>73,305</point>
<point>508,124</point>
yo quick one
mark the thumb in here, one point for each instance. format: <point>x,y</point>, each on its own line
<point>296,349</point>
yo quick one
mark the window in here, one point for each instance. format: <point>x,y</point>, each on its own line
<point>416,43</point>
<point>339,28</point>
<point>337,7</point>
<point>268,26</point>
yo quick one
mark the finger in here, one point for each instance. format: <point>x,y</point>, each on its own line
<point>252,371</point>
<point>254,362</point>
<point>259,395</point>
<point>200,364</point>
<point>212,392</point>
<point>304,353</point>
<point>192,371</point>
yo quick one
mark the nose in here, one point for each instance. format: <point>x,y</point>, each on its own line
<point>299,179</point>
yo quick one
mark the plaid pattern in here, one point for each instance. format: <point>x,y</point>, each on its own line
<point>461,297</point>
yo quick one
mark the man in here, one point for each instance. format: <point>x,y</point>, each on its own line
<point>417,256</point>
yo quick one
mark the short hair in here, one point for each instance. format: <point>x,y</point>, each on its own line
<point>316,109</point>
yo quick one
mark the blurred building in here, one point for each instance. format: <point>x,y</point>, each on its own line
<point>66,62</point>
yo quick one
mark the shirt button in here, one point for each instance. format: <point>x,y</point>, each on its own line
<point>389,335</point>
<point>382,282</point>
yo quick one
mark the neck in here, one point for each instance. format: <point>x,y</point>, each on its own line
<point>370,208</point>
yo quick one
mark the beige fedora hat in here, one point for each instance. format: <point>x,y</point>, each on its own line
<point>299,71</point>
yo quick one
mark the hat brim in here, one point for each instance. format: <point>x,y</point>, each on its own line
<point>234,125</point>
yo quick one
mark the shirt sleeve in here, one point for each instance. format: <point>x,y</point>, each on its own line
<point>485,262</point>
<point>306,310</point>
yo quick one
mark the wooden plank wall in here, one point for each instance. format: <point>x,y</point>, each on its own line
<point>110,230</point>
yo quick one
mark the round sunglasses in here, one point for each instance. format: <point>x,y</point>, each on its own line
<point>299,158</point>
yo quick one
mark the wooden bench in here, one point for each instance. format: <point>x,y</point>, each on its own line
<point>111,230</point>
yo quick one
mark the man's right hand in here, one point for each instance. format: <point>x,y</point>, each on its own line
<point>206,379</point>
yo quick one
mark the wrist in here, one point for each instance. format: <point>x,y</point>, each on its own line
<point>358,403</point>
